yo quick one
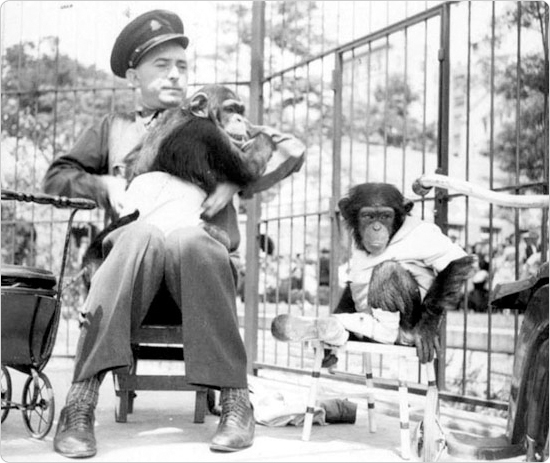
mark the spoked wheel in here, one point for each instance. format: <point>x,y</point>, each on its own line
<point>6,392</point>
<point>39,405</point>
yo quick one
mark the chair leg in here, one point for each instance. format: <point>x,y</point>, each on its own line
<point>122,398</point>
<point>370,393</point>
<point>404,409</point>
<point>200,406</point>
<point>431,440</point>
<point>133,370</point>
<point>315,374</point>
<point>121,410</point>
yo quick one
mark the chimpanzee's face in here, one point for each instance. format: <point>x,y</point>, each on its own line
<point>228,109</point>
<point>233,121</point>
<point>376,227</point>
<point>374,212</point>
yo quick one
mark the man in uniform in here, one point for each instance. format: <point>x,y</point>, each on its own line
<point>150,53</point>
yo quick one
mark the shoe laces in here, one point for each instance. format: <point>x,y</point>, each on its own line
<point>79,416</point>
<point>234,410</point>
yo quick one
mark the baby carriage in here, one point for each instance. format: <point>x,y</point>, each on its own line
<point>31,305</point>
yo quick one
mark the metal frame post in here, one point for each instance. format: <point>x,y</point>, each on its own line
<point>253,211</point>
<point>336,180</point>
<point>441,205</point>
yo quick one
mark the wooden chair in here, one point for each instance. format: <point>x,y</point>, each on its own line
<point>159,338</point>
<point>430,445</point>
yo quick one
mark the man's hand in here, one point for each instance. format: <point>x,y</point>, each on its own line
<point>427,343</point>
<point>217,200</point>
<point>116,186</point>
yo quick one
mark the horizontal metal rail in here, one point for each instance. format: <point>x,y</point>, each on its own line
<point>418,389</point>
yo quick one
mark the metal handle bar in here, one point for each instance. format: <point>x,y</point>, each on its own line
<point>422,186</point>
<point>41,198</point>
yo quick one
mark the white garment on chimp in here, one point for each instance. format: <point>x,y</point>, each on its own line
<point>422,249</point>
<point>419,246</point>
<point>378,325</point>
<point>164,200</point>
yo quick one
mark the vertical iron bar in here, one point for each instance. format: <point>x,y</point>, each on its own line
<point>546,173</point>
<point>336,177</point>
<point>491,183</point>
<point>351,118</point>
<point>425,104</point>
<point>369,77</point>
<point>404,142</point>
<point>441,203</point>
<point>253,204</point>
<point>467,198</point>
<point>386,92</point>
<point>517,180</point>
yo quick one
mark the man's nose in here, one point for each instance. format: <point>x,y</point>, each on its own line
<point>173,73</point>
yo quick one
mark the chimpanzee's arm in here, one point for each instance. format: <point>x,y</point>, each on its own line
<point>444,294</point>
<point>346,303</point>
<point>287,159</point>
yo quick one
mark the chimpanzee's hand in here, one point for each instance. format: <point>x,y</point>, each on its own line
<point>116,188</point>
<point>217,200</point>
<point>427,343</point>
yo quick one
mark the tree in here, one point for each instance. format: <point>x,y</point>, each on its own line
<point>532,93</point>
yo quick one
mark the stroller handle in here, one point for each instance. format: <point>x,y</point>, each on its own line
<point>42,198</point>
<point>423,185</point>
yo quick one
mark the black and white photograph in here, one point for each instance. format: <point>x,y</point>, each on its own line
<point>274,231</point>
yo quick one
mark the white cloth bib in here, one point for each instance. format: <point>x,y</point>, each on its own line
<point>165,201</point>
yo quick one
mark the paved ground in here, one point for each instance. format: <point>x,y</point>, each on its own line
<point>161,428</point>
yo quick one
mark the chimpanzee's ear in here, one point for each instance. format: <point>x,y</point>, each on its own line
<point>407,205</point>
<point>198,105</point>
<point>343,205</point>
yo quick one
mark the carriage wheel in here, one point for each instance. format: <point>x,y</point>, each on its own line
<point>39,405</point>
<point>6,392</point>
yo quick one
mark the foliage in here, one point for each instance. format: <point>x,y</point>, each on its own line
<point>41,103</point>
<point>389,121</point>
<point>530,89</point>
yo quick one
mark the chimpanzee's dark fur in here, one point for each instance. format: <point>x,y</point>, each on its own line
<point>197,150</point>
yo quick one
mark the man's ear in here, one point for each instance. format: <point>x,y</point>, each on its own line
<point>132,77</point>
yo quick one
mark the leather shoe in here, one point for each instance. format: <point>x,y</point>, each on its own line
<point>236,427</point>
<point>74,437</point>
<point>286,327</point>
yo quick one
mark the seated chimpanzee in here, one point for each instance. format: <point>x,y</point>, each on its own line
<point>404,274</point>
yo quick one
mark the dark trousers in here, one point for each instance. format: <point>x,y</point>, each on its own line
<point>198,273</point>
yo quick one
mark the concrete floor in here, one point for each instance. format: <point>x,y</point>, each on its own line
<point>161,427</point>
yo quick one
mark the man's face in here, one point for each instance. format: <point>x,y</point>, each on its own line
<point>161,76</point>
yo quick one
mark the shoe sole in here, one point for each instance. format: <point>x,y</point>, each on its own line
<point>224,448</point>
<point>76,455</point>
<point>292,328</point>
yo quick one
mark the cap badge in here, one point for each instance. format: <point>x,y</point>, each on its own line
<point>155,25</point>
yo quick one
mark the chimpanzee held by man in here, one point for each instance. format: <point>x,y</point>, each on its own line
<point>140,260</point>
<point>404,274</point>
